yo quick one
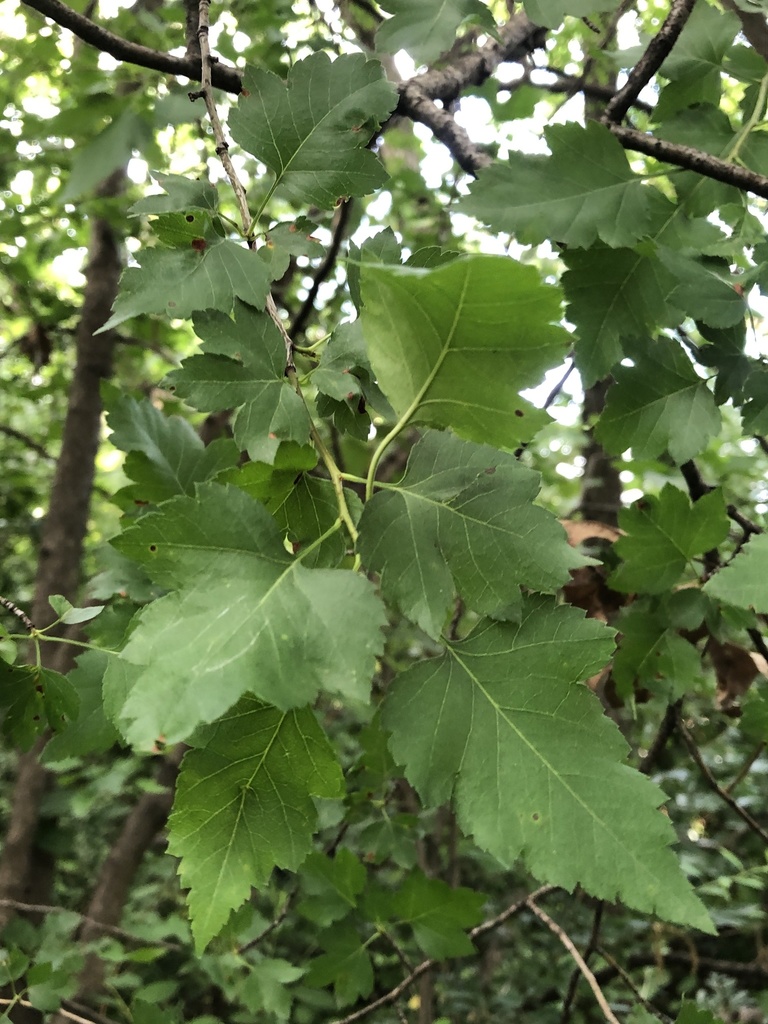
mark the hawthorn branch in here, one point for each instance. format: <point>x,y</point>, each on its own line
<point>322,272</point>
<point>222,151</point>
<point>656,53</point>
<point>418,106</point>
<point>22,616</point>
<point>119,933</point>
<point>591,980</point>
<point>591,947</point>
<point>132,53</point>
<point>426,965</point>
<point>26,440</point>
<point>691,160</point>
<point>712,782</point>
<point>572,85</point>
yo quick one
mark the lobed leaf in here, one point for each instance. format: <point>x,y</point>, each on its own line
<point>533,764</point>
<point>244,806</point>
<point>453,346</point>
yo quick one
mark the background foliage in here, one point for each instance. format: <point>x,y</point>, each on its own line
<point>317,318</point>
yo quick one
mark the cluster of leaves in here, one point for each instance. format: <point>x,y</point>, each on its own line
<point>296,571</point>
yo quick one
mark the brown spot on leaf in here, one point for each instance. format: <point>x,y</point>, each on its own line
<point>199,244</point>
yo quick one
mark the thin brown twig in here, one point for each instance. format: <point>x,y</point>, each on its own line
<point>119,933</point>
<point>64,1013</point>
<point>725,796</point>
<point>745,769</point>
<point>591,980</point>
<point>426,965</point>
<point>26,440</point>
<point>342,220</point>
<point>655,54</point>
<point>589,949</point>
<point>271,927</point>
<point>612,962</point>
<point>222,151</point>
<point>132,53</point>
<point>21,615</point>
<point>660,740</point>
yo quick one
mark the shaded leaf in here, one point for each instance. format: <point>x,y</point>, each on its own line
<point>312,131</point>
<point>245,617</point>
<point>181,194</point>
<point>208,272</point>
<point>167,456</point>
<point>744,581</point>
<point>243,806</point>
<point>498,722</point>
<point>584,191</point>
<point>244,367</point>
<point>663,534</point>
<point>438,914</point>
<point>462,519</point>
<point>452,347</point>
<point>659,404</point>
<point>427,28</point>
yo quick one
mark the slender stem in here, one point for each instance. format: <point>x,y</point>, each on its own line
<point>591,980</point>
<point>724,795</point>
<point>398,428</point>
<point>754,119</point>
<point>330,464</point>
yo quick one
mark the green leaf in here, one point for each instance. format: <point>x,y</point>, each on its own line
<point>663,535</point>
<point>89,732</point>
<point>584,191</point>
<point>428,28</point>
<point>659,404</point>
<point>32,698</point>
<point>615,293</point>
<point>383,247</point>
<point>701,292</point>
<point>755,410</point>
<point>452,347</point>
<point>243,806</point>
<point>246,617</point>
<point>272,483</point>
<point>312,131</point>
<point>167,456</point>
<point>438,914</point>
<point>345,964</point>
<point>462,519</point>
<point>309,511</point>
<point>291,238</point>
<point>346,383</point>
<point>499,722</point>
<point>266,986</point>
<point>70,615</point>
<point>744,581</point>
<point>208,272</point>
<point>697,57</point>
<point>551,13</point>
<point>654,656</point>
<point>244,367</point>
<point>110,150</point>
<point>182,194</point>
<point>754,716</point>
<point>690,1013</point>
<point>331,886</point>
